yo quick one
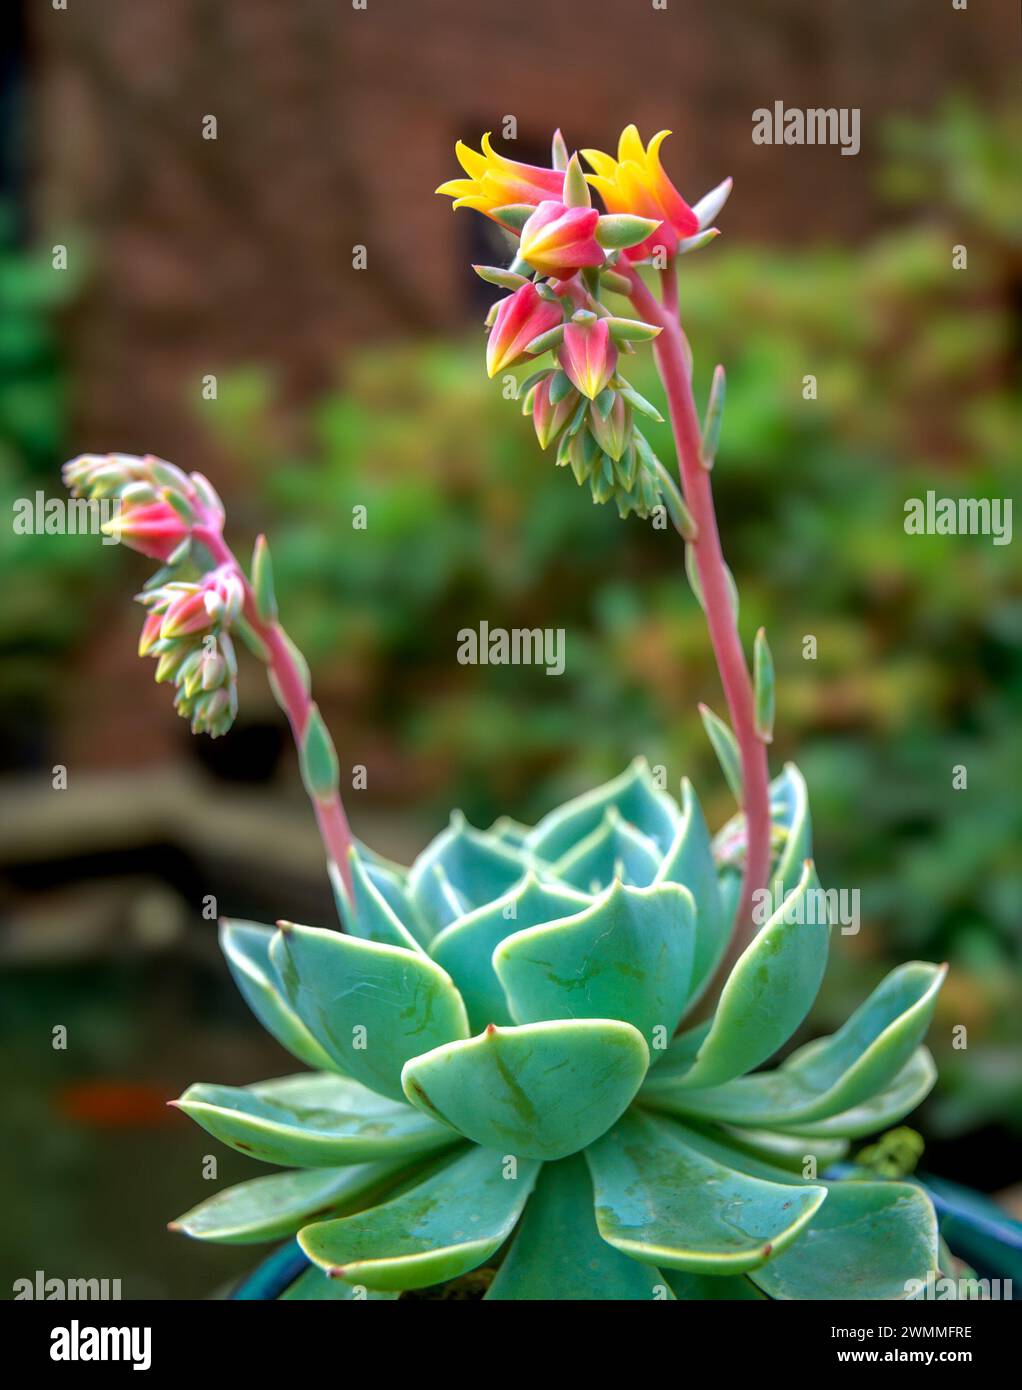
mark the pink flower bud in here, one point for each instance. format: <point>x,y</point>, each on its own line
<point>559,240</point>
<point>612,432</point>
<point>186,614</point>
<point>549,419</point>
<point>150,633</point>
<point>153,528</point>
<point>588,355</point>
<point>521,317</point>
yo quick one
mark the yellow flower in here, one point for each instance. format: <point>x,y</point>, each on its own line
<point>636,183</point>
<point>495,182</point>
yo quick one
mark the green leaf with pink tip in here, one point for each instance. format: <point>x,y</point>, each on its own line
<point>312,1121</point>
<point>869,1240</point>
<point>271,1207</point>
<point>661,1199</point>
<point>627,956</point>
<point>767,995</point>
<point>464,949</point>
<point>633,794</point>
<point>246,947</point>
<point>544,1090</point>
<point>558,1254</point>
<point>832,1075</point>
<point>369,1005</point>
<point>442,1227</point>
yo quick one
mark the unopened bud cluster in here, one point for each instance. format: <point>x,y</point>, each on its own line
<point>160,504</point>
<point>188,621</point>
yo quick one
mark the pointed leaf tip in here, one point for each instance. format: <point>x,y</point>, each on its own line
<point>763,685</point>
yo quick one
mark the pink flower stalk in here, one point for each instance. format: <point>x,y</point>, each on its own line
<point>559,241</point>
<point>588,354</point>
<point>521,317</point>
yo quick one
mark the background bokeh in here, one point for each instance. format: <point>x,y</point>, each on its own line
<point>338,387</point>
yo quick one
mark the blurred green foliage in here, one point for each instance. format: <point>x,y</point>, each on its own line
<point>44,588</point>
<point>917,667</point>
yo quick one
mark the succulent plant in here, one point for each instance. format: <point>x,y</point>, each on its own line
<point>534,1053</point>
<point>498,1080</point>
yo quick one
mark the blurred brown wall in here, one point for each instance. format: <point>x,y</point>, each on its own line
<point>335,124</point>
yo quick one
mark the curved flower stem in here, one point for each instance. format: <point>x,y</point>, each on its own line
<point>330,816</point>
<point>670,352</point>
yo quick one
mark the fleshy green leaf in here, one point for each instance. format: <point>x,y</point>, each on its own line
<point>867,1241</point>
<point>246,947</point>
<point>437,901</point>
<point>318,758</point>
<point>633,794</point>
<point>763,683</point>
<point>544,1090</point>
<point>262,581</point>
<point>618,231</point>
<point>444,1226</point>
<point>613,850</point>
<point>557,1253</point>
<point>725,745</point>
<point>767,995</point>
<point>714,417</point>
<point>689,861</point>
<point>274,1206</point>
<point>662,1200</point>
<point>789,811</point>
<point>702,1288</point>
<point>786,1150</point>
<point>373,918</point>
<point>464,949</point>
<point>312,1121</point>
<point>833,1074</point>
<point>477,866</point>
<point>371,1006</point>
<point>315,1285</point>
<point>909,1088</point>
<point>627,956</point>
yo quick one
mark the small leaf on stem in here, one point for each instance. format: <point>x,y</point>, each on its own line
<point>763,682</point>
<point>725,745</point>
<point>262,582</point>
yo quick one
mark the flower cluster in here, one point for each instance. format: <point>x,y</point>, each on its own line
<point>159,505</point>
<point>170,516</point>
<point>566,257</point>
<point>187,630</point>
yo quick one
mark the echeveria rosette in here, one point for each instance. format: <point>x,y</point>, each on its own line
<point>499,1080</point>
